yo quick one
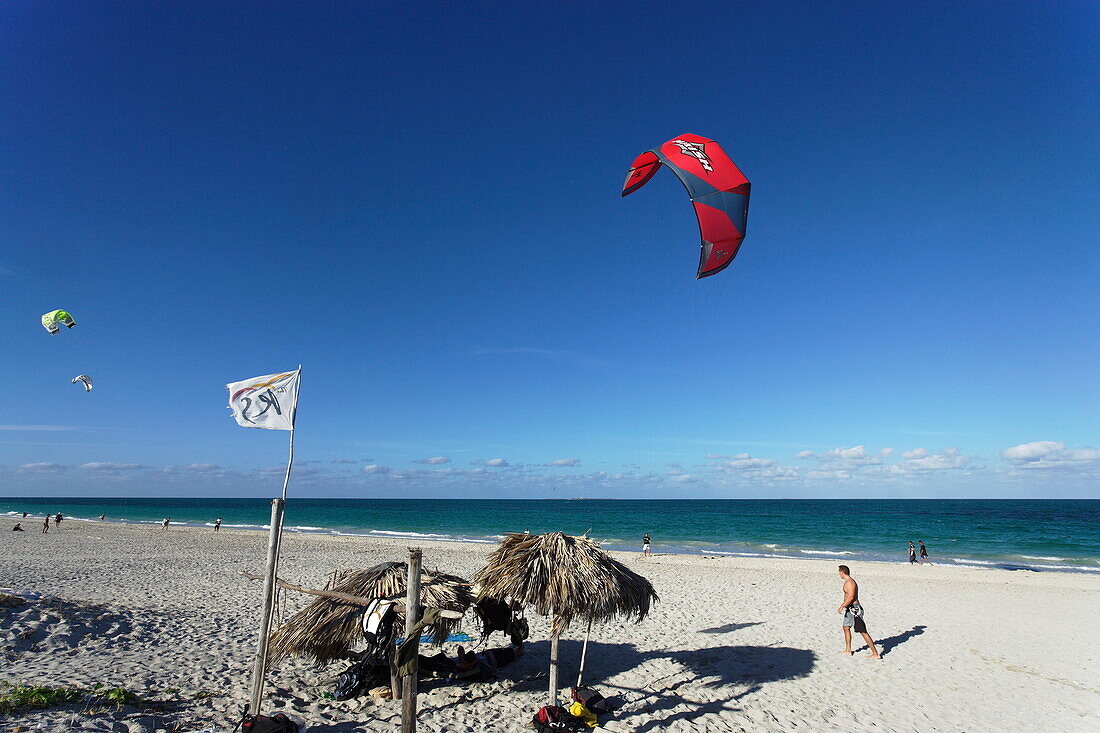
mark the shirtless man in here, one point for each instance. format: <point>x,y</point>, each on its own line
<point>853,614</point>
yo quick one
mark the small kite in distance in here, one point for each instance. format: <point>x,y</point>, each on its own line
<point>85,380</point>
<point>51,320</point>
<point>718,189</point>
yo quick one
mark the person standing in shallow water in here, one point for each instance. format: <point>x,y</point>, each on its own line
<point>853,614</point>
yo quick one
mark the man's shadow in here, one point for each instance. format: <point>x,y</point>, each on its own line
<point>887,644</point>
<point>729,627</point>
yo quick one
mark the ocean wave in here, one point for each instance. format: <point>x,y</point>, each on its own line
<point>831,553</point>
<point>396,533</point>
<point>1041,557</point>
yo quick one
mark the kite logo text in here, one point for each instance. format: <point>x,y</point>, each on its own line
<point>695,150</point>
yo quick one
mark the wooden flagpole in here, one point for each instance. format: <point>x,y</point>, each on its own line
<point>274,542</point>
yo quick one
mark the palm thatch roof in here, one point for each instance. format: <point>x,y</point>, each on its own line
<point>568,577</point>
<point>328,628</point>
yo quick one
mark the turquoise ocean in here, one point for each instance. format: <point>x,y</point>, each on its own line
<point>1034,535</point>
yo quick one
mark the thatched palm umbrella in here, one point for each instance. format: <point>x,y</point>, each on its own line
<point>328,628</point>
<point>564,577</point>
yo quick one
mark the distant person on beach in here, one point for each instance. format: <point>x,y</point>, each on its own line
<point>102,517</point>
<point>24,515</point>
<point>853,614</point>
<point>645,545</point>
<point>912,553</point>
<point>57,521</point>
<point>17,528</point>
<point>46,525</point>
<point>217,524</point>
<point>923,553</point>
<point>164,524</point>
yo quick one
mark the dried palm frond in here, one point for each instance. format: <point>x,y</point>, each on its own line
<point>328,628</point>
<point>566,577</point>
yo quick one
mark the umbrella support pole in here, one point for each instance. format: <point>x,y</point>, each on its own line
<point>412,618</point>
<point>584,652</point>
<point>554,669</point>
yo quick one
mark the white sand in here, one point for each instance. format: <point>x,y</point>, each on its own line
<point>734,645</point>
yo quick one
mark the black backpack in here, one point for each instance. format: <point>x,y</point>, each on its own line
<point>591,699</point>
<point>555,719</point>
<point>358,678</point>
<point>277,723</point>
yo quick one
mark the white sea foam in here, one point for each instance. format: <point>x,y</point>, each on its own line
<point>842,553</point>
<point>1041,557</point>
<point>395,533</point>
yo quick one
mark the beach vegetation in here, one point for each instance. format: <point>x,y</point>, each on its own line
<point>16,697</point>
<point>21,697</point>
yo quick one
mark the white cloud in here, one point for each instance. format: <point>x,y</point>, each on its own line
<point>1032,451</point>
<point>111,466</point>
<point>857,452</point>
<point>376,469</point>
<point>886,452</point>
<point>40,468</point>
<point>564,462</point>
<point>434,461</point>
<point>949,459</point>
<point>1051,454</point>
<point>804,454</point>
<point>916,453</point>
<point>492,463</point>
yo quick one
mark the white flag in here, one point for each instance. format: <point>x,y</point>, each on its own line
<point>265,402</point>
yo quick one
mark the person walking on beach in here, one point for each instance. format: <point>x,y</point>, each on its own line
<point>923,553</point>
<point>217,524</point>
<point>57,519</point>
<point>645,545</point>
<point>46,525</point>
<point>164,524</point>
<point>24,515</point>
<point>912,553</point>
<point>853,614</point>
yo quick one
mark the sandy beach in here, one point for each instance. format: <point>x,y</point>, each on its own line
<point>736,644</point>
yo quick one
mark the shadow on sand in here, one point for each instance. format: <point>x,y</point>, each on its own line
<point>654,703</point>
<point>886,645</point>
<point>729,627</point>
<point>657,700</point>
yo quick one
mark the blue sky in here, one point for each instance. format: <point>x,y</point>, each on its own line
<point>420,203</point>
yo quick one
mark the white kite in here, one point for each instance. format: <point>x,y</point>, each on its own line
<point>85,380</point>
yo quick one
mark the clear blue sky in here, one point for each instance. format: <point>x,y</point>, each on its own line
<point>420,203</point>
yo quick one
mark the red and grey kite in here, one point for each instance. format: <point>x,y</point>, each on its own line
<point>718,189</point>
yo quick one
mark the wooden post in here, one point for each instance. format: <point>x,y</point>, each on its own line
<point>584,652</point>
<point>260,667</point>
<point>553,666</point>
<point>412,617</point>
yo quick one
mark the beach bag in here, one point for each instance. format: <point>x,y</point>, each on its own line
<point>358,678</point>
<point>378,629</point>
<point>554,719</point>
<point>591,699</point>
<point>277,723</point>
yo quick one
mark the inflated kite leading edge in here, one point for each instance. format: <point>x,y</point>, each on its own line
<point>718,189</point>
